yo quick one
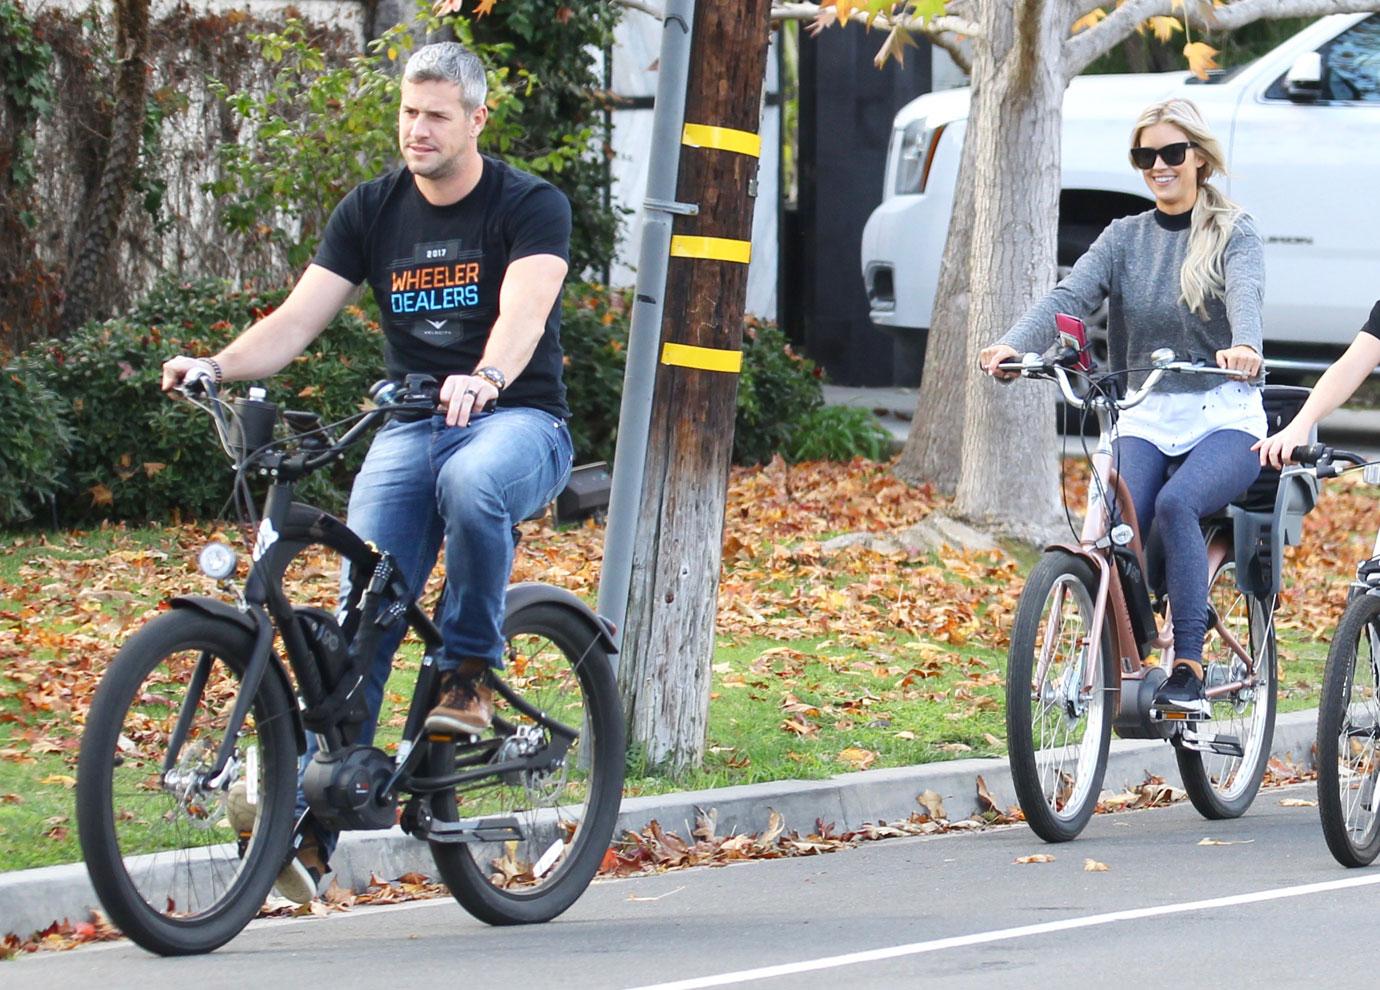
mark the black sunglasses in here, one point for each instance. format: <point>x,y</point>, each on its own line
<point>1171,154</point>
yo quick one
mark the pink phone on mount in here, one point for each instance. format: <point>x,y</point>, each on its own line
<point>1073,334</point>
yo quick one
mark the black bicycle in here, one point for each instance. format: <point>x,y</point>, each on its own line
<point>1349,710</point>
<point>188,773</point>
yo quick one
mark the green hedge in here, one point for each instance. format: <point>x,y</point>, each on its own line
<point>109,445</point>
<point>37,441</point>
<point>777,391</point>
<point>137,455</point>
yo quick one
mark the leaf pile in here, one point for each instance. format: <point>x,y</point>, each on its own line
<point>60,936</point>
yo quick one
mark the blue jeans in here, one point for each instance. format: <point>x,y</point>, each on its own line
<point>423,482</point>
<point>1219,468</point>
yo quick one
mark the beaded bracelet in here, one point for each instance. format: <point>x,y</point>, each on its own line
<point>217,375</point>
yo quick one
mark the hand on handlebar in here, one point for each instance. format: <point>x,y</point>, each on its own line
<point>464,395</point>
<point>1242,359</point>
<point>179,370</point>
<point>1277,450</point>
<point>990,357</point>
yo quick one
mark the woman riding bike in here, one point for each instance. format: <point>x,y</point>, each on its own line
<point>1187,275</point>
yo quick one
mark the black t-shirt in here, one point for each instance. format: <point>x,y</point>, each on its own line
<point>1372,326</point>
<point>436,271</point>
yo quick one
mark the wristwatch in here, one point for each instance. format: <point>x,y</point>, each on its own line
<point>493,376</point>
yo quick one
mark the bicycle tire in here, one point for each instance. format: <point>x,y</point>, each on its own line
<point>171,871</point>
<point>1347,776</point>
<point>1057,804</point>
<point>557,663</point>
<point>1223,786</point>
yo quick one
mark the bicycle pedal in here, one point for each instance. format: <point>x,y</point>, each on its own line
<point>1176,715</point>
<point>1219,744</point>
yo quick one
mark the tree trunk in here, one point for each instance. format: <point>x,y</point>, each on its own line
<point>1009,476</point>
<point>668,644</point>
<point>91,273</point>
<point>931,451</point>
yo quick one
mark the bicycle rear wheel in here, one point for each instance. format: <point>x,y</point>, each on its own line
<point>1223,784</point>
<point>169,867</point>
<point>1057,732</point>
<point>1349,736</point>
<point>566,812</point>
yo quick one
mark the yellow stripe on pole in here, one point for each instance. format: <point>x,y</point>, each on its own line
<point>711,248</point>
<point>722,139</point>
<point>702,358</point>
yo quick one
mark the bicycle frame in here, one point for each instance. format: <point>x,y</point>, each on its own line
<point>378,597</point>
<point>1095,546</point>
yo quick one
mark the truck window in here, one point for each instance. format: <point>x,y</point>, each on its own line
<point>1352,63</point>
<point>1351,66</point>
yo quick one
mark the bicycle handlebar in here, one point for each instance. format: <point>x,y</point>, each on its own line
<point>1323,459</point>
<point>417,394</point>
<point>1034,366</point>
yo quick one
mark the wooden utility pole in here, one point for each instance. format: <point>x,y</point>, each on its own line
<point>668,643</point>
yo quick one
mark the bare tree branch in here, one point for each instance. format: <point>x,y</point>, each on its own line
<point>809,11</point>
<point>1086,46</point>
<point>1244,12</point>
<point>950,44</point>
<point>943,32</point>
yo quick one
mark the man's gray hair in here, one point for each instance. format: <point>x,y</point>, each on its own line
<point>452,62</point>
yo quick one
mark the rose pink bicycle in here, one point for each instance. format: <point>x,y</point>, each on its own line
<point>1093,638</point>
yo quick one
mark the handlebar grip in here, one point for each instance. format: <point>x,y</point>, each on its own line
<point>1308,455</point>
<point>197,381</point>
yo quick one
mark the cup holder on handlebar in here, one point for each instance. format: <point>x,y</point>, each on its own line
<point>251,424</point>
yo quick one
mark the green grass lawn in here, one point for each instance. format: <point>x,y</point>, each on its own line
<point>803,707</point>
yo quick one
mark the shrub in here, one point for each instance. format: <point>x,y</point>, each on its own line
<point>594,335</point>
<point>837,433</point>
<point>37,442</point>
<point>135,454</point>
<point>776,390</point>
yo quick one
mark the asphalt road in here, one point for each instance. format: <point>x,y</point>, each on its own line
<point>1267,903</point>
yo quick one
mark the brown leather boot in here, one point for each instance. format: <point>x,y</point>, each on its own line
<point>465,705</point>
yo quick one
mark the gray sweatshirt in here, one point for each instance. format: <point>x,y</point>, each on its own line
<point>1134,264</point>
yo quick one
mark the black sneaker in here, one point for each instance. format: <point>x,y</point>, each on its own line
<point>465,706</point>
<point>1181,696</point>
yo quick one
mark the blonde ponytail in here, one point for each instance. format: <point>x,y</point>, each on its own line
<point>1203,275</point>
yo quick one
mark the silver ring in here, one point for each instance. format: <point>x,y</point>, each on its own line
<point>471,391</point>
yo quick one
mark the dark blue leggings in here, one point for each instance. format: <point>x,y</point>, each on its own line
<point>1218,469</point>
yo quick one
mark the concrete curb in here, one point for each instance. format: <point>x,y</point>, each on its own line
<point>30,900</point>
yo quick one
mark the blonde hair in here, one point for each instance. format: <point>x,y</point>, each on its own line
<point>1214,215</point>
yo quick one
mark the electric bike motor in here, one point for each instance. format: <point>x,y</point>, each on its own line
<point>346,788</point>
<point>1133,710</point>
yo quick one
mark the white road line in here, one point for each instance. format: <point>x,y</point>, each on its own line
<point>1003,934</point>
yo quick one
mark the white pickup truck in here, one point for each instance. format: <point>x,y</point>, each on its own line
<point>1301,126</point>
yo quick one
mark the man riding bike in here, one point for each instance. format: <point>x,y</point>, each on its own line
<point>466,256</point>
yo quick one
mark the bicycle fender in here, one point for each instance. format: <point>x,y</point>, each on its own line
<point>528,593</point>
<point>217,609</point>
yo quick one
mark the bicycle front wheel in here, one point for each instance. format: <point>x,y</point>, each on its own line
<point>181,865</point>
<point>1349,736</point>
<point>1058,714</point>
<point>558,683</point>
<point>1223,782</point>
